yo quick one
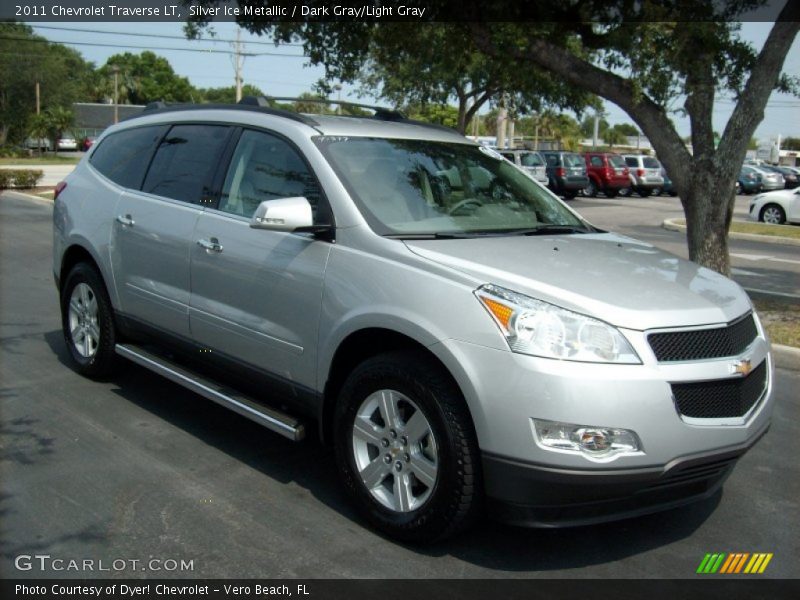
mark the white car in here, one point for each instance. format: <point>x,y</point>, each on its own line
<point>781,206</point>
<point>67,142</point>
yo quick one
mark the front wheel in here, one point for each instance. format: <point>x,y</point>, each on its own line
<point>774,214</point>
<point>590,190</point>
<point>611,193</point>
<point>625,192</point>
<point>406,449</point>
<point>87,321</point>
<point>570,195</point>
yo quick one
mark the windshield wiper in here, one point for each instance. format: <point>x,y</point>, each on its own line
<point>557,228</point>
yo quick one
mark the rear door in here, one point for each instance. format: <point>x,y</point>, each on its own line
<point>256,294</point>
<point>153,232</point>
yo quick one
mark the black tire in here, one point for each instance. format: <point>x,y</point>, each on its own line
<point>590,190</point>
<point>455,499</point>
<point>654,192</point>
<point>645,192</point>
<point>626,192</point>
<point>611,193</point>
<point>775,209</point>
<point>101,363</point>
<point>570,195</point>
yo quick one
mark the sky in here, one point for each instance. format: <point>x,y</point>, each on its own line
<point>283,71</point>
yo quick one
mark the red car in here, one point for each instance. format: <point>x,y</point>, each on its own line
<point>607,173</point>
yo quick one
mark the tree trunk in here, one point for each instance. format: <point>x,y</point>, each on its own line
<point>708,206</point>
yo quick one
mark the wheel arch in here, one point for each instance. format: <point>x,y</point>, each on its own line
<point>360,345</point>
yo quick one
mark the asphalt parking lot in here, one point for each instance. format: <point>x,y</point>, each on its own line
<point>137,468</point>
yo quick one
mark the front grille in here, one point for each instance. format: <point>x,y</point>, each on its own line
<point>700,344</point>
<point>722,398</point>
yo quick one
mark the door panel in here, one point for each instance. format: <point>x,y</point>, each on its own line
<point>258,298</point>
<point>150,253</point>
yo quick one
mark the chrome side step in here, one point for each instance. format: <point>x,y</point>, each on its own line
<point>281,423</point>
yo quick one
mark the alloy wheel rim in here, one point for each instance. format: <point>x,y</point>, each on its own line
<point>84,330</point>
<point>395,451</point>
<point>772,215</point>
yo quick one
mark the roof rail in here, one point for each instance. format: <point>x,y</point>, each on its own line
<point>381,112</point>
<point>164,107</point>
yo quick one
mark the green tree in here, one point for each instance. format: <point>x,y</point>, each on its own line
<point>39,129</point>
<point>441,114</point>
<point>641,58</point>
<point>225,95</point>
<point>626,129</point>
<point>59,120</point>
<point>614,136</point>
<point>789,143</point>
<point>25,59</point>
<point>142,78</point>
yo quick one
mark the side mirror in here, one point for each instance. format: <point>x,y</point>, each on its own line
<point>283,214</point>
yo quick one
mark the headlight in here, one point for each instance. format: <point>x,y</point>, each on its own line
<point>537,328</point>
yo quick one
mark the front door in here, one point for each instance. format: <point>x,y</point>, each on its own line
<point>256,294</point>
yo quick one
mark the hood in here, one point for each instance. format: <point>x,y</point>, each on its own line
<point>614,278</point>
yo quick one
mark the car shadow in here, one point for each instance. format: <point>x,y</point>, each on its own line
<point>311,465</point>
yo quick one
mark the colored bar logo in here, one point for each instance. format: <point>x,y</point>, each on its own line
<point>733,563</point>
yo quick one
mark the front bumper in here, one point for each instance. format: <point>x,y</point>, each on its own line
<point>541,496</point>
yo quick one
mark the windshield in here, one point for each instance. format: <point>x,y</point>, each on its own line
<point>531,159</point>
<point>419,187</point>
<point>616,161</point>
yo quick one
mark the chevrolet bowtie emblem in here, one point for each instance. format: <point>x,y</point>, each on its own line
<point>743,368</point>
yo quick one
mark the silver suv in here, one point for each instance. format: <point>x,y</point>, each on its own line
<point>462,338</point>
<point>645,174</point>
<point>529,161</point>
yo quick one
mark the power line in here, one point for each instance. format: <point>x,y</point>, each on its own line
<point>99,45</point>
<point>157,35</point>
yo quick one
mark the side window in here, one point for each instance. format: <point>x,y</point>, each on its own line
<point>631,161</point>
<point>596,161</point>
<point>123,157</point>
<point>265,167</point>
<point>508,156</point>
<point>185,162</point>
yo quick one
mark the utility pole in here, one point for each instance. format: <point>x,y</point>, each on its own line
<point>38,105</point>
<point>115,71</point>
<point>596,132</point>
<point>238,60</point>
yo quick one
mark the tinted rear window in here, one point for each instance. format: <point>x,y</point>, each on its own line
<point>651,163</point>
<point>616,161</point>
<point>185,161</point>
<point>573,160</point>
<point>631,161</point>
<point>531,159</point>
<point>123,157</point>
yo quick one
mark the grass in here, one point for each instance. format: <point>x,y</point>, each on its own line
<point>787,231</point>
<point>44,160</point>
<point>781,319</point>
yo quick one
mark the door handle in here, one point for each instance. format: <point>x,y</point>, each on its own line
<point>210,245</point>
<point>126,220</point>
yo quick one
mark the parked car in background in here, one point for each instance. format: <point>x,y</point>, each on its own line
<point>607,173</point>
<point>667,189</point>
<point>749,181</point>
<point>529,161</point>
<point>88,142</point>
<point>566,173</point>
<point>770,180</point>
<point>645,174</point>
<point>778,207</point>
<point>66,142</point>
<point>790,177</point>
<point>38,144</point>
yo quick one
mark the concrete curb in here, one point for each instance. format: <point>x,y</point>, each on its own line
<point>786,357</point>
<point>673,225</point>
<point>30,196</point>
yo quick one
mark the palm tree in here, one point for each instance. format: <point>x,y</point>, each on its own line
<point>39,129</point>
<point>60,120</point>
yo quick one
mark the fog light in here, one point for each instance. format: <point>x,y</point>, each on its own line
<point>591,441</point>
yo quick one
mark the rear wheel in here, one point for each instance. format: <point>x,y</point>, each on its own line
<point>570,195</point>
<point>644,192</point>
<point>87,321</point>
<point>590,190</point>
<point>406,448</point>
<point>774,214</point>
<point>625,192</point>
<point>611,193</point>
